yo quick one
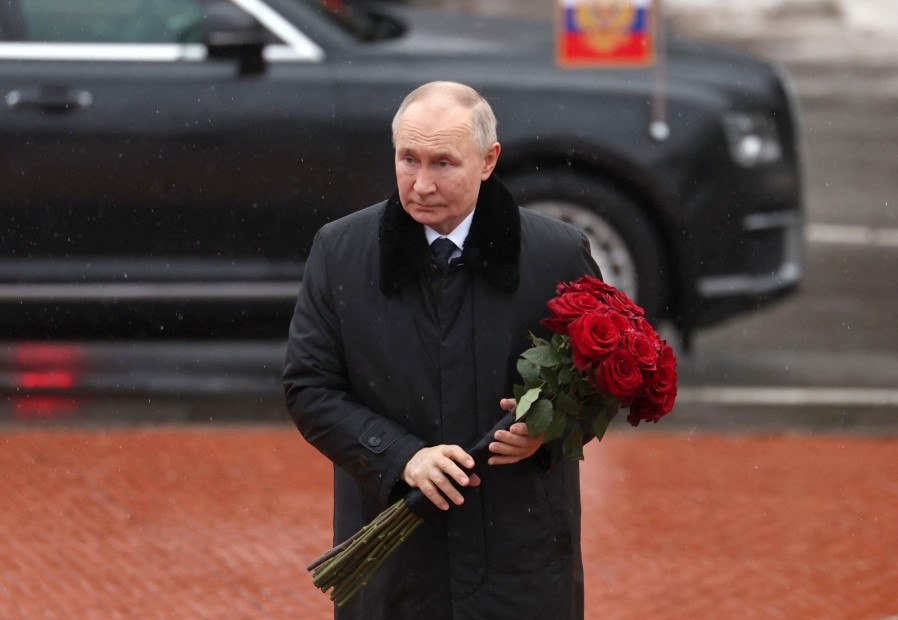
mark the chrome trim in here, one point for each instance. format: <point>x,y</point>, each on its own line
<point>110,52</point>
<point>790,270</point>
<point>81,99</point>
<point>774,219</point>
<point>136,52</point>
<point>149,291</point>
<point>787,275</point>
<point>282,28</point>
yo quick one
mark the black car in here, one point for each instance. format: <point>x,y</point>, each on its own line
<point>166,164</point>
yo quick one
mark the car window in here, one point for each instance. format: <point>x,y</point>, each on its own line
<point>113,21</point>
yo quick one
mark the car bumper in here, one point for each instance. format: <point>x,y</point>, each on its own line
<point>772,267</point>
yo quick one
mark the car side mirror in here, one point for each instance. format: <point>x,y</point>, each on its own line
<point>233,34</point>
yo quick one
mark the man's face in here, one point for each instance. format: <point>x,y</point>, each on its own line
<point>438,166</point>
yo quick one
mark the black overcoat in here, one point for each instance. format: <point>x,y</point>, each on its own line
<point>388,354</point>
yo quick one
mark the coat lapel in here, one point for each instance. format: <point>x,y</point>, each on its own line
<point>492,249</point>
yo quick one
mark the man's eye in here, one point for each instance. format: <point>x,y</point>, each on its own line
<point>443,164</point>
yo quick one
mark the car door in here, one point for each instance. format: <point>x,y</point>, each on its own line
<point>141,159</point>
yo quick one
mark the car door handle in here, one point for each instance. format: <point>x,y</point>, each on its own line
<point>51,99</point>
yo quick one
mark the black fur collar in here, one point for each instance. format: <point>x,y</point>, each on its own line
<point>492,249</point>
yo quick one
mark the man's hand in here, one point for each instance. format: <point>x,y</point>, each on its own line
<point>433,470</point>
<point>515,444</point>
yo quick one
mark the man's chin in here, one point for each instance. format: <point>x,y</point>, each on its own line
<point>427,216</point>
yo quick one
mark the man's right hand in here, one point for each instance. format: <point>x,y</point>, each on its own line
<point>433,470</point>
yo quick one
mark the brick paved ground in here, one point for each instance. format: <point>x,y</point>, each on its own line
<point>200,523</point>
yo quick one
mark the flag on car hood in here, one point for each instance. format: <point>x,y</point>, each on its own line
<point>605,32</point>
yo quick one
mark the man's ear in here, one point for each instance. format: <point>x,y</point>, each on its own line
<point>490,160</point>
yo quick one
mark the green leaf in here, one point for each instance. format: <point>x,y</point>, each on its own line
<point>551,377</point>
<point>568,404</point>
<point>600,424</point>
<point>543,356</point>
<point>565,376</point>
<point>584,389</point>
<point>518,391</point>
<point>528,370</point>
<point>556,428</point>
<point>539,418</point>
<point>525,402</point>
<point>573,445</point>
<point>537,341</point>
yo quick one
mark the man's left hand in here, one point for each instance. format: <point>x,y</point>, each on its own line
<point>515,444</point>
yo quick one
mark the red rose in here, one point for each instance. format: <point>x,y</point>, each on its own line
<point>641,325</point>
<point>643,409</point>
<point>566,308</point>
<point>661,386</point>
<point>639,345</point>
<point>619,375</point>
<point>621,322</point>
<point>587,284</point>
<point>620,301</point>
<point>593,336</point>
<point>662,382</point>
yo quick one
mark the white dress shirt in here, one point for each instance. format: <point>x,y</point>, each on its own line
<point>457,236</point>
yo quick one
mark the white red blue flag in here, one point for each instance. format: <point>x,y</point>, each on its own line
<point>605,32</point>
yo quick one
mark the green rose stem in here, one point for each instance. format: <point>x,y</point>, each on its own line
<point>345,562</point>
<point>348,567</point>
<point>408,523</point>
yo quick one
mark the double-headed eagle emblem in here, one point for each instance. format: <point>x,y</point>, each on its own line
<point>605,23</point>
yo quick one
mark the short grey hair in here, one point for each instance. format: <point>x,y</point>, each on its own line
<point>484,121</point>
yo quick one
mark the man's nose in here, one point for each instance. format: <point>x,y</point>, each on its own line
<point>424,182</point>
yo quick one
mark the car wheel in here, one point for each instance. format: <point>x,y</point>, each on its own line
<point>623,242</point>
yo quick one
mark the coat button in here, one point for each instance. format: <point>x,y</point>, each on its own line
<point>374,441</point>
<point>363,461</point>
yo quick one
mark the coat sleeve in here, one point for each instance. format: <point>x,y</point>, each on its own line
<point>372,448</point>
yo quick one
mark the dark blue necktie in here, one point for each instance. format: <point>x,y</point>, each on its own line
<point>441,249</point>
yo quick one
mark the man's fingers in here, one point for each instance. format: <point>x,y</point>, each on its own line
<point>502,447</point>
<point>437,487</point>
<point>508,404</point>
<point>436,472</point>
<point>503,460</point>
<point>457,455</point>
<point>517,435</point>
<point>513,445</point>
<point>433,494</point>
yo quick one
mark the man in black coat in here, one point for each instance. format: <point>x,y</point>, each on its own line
<point>398,358</point>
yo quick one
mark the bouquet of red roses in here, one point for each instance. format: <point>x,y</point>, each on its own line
<point>603,355</point>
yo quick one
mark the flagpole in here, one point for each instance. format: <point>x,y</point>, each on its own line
<point>658,127</point>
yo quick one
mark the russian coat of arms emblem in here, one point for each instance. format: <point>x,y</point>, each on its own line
<point>606,24</point>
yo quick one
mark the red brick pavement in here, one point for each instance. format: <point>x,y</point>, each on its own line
<point>190,523</point>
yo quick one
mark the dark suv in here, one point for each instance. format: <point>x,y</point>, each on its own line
<point>165,163</point>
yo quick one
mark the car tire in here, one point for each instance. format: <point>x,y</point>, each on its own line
<point>623,241</point>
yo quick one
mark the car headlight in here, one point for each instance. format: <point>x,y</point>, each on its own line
<point>752,138</point>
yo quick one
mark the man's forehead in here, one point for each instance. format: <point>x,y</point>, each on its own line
<point>449,138</point>
<point>437,116</point>
<point>434,131</point>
